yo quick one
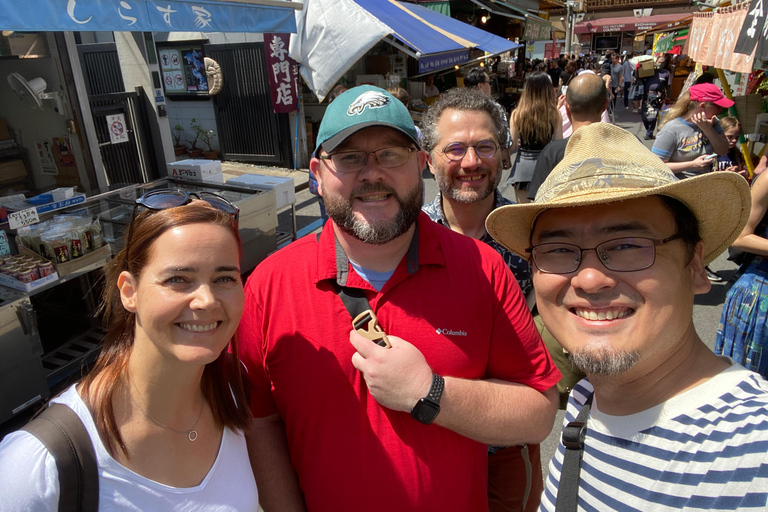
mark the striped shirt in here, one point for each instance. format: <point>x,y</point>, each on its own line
<point>705,449</point>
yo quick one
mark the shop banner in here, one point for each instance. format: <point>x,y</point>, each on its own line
<point>282,72</point>
<point>536,30</point>
<point>753,29</point>
<point>664,43</point>
<point>429,63</point>
<point>552,50</point>
<point>723,27</point>
<point>146,16</point>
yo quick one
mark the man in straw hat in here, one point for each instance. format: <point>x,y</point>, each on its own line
<point>366,427</point>
<point>618,247</point>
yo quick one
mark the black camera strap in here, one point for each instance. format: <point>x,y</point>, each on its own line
<point>354,298</point>
<point>574,435</point>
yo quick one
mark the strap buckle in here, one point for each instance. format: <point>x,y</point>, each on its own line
<point>368,326</point>
<point>574,435</point>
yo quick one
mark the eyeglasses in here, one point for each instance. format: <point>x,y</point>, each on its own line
<point>169,198</point>
<point>164,199</point>
<point>619,255</point>
<point>455,151</point>
<point>347,162</point>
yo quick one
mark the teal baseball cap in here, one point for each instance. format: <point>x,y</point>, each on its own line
<point>362,107</point>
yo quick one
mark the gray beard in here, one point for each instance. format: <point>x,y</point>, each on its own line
<point>606,363</point>
<point>447,190</point>
<point>381,232</point>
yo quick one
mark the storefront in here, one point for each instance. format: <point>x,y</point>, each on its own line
<point>618,34</point>
<point>84,131</point>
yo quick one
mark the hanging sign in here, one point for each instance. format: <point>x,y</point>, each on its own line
<point>753,29</point>
<point>117,129</point>
<point>282,72</point>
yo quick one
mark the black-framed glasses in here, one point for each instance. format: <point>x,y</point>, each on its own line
<point>163,199</point>
<point>455,151</point>
<point>619,255</point>
<point>347,162</point>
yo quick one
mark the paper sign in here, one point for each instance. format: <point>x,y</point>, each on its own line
<point>45,156</point>
<point>23,218</point>
<point>5,249</point>
<point>118,131</point>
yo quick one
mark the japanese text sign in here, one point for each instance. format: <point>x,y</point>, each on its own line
<point>23,218</point>
<point>282,72</point>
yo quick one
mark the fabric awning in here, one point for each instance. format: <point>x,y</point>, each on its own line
<point>624,24</point>
<point>668,27</point>
<point>150,15</point>
<point>334,34</point>
<point>500,9</point>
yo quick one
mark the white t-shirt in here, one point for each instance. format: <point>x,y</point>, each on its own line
<point>29,479</point>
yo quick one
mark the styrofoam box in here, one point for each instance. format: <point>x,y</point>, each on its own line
<point>285,190</point>
<point>194,169</point>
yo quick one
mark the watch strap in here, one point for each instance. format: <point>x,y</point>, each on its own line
<point>436,389</point>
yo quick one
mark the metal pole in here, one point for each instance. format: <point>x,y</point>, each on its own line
<point>568,28</point>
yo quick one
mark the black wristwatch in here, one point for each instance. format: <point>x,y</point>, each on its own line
<point>426,409</point>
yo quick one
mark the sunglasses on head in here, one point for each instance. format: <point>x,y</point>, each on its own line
<point>164,199</point>
<point>168,198</point>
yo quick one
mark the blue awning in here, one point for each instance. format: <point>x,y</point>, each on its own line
<point>429,32</point>
<point>150,15</point>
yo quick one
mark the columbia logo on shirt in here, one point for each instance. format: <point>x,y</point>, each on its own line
<point>450,332</point>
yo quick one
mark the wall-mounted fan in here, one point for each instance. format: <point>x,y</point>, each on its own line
<point>33,92</point>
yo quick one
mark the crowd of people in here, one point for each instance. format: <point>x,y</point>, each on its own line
<point>412,355</point>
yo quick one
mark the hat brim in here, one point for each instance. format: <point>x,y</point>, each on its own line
<point>332,143</point>
<point>724,102</point>
<point>719,200</point>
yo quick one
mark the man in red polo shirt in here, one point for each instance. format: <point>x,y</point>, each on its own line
<point>344,424</point>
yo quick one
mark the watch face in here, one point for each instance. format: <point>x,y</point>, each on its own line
<point>425,411</point>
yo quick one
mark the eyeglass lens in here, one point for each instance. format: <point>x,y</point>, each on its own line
<point>353,161</point>
<point>620,255</point>
<point>456,150</point>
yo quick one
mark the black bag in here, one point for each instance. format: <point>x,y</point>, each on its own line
<point>65,437</point>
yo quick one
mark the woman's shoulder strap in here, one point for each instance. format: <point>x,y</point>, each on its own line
<point>64,436</point>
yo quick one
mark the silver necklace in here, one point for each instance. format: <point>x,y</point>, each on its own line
<point>191,433</point>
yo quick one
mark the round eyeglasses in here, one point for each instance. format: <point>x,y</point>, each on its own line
<point>455,151</point>
<point>347,162</point>
<point>620,255</point>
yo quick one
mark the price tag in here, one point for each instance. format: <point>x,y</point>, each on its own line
<point>23,218</point>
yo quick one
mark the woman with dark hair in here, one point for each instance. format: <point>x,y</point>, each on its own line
<point>534,123</point>
<point>164,405</point>
<point>567,75</point>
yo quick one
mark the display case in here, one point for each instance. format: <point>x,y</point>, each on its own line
<point>51,332</point>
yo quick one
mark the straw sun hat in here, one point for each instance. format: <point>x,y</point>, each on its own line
<point>605,164</point>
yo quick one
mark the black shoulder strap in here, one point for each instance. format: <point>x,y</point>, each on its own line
<point>574,435</point>
<point>65,437</point>
<point>354,299</point>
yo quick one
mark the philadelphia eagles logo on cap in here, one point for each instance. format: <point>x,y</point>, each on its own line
<point>371,99</point>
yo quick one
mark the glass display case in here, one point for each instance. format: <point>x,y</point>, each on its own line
<point>52,331</point>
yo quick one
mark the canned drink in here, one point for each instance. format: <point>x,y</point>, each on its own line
<point>45,268</point>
